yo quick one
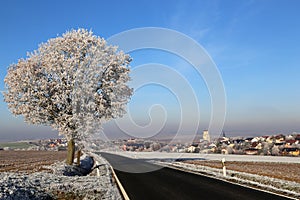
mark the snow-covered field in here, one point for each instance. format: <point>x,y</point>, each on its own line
<point>42,185</point>
<point>228,157</point>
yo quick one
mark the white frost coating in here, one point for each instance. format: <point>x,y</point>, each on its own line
<point>42,185</point>
<point>73,83</point>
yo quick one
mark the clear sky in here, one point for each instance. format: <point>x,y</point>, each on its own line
<point>254,44</point>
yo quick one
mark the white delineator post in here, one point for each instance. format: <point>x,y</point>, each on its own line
<point>98,171</point>
<point>224,167</point>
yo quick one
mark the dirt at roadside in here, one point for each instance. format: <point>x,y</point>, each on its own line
<point>285,171</point>
<point>29,161</point>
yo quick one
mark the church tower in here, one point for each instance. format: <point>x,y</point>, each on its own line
<point>206,135</point>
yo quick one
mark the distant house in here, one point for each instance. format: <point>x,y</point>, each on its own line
<point>297,138</point>
<point>264,137</point>
<point>290,151</point>
<point>255,140</point>
<point>134,147</point>
<point>288,143</point>
<point>269,139</point>
<point>249,139</point>
<point>251,151</point>
<point>238,141</point>
<point>279,139</point>
<point>52,145</point>
<point>224,140</point>
<point>254,144</point>
<point>191,149</point>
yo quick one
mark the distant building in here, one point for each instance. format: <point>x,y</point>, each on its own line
<point>206,135</point>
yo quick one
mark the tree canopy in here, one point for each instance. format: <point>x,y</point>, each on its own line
<point>73,82</point>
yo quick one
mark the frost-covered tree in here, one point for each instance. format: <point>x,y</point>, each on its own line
<point>275,151</point>
<point>73,83</point>
<point>266,148</point>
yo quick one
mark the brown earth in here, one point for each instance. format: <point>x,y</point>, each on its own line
<point>285,171</point>
<point>29,161</point>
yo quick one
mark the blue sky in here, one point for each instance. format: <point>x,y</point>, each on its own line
<point>255,45</point>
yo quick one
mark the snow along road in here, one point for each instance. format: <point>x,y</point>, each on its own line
<point>166,183</point>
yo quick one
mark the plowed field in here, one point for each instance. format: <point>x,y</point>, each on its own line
<point>29,161</point>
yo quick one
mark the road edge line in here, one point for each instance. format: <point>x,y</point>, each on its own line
<point>120,186</point>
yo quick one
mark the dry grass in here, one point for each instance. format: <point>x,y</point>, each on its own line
<point>285,171</point>
<point>29,161</point>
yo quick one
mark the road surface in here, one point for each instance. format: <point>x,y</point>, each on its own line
<point>167,183</point>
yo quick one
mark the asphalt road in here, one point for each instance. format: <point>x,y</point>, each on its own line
<point>167,183</point>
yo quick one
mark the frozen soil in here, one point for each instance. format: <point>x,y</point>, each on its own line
<point>29,161</point>
<point>48,182</point>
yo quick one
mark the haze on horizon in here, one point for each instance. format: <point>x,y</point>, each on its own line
<point>254,44</point>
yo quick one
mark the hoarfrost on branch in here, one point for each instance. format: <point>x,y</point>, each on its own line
<point>73,83</point>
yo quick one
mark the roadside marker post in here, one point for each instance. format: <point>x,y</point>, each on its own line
<point>98,171</point>
<point>224,167</point>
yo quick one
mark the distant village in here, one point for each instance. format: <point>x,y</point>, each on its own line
<point>275,145</point>
<point>38,145</point>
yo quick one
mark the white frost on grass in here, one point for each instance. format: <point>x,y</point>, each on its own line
<point>289,188</point>
<point>42,185</point>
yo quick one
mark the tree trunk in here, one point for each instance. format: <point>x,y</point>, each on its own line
<point>71,151</point>
<point>78,157</point>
